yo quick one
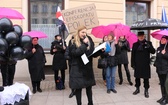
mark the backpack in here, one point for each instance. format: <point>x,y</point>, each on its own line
<point>59,83</point>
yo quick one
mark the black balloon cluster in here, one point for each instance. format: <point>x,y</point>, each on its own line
<point>13,46</point>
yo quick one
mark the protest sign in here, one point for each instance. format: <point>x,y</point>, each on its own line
<point>83,15</point>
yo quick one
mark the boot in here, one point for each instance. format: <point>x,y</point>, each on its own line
<point>146,93</point>
<point>34,87</point>
<point>163,95</point>
<point>38,87</point>
<point>128,76</point>
<point>136,91</point>
<point>121,81</point>
<point>164,102</point>
<point>72,93</point>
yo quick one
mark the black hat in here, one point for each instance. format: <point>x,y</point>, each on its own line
<point>141,33</point>
<point>164,36</point>
<point>57,35</point>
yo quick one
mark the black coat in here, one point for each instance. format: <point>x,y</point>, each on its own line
<point>140,58</point>
<point>81,76</point>
<point>59,61</point>
<point>36,62</point>
<point>161,62</point>
<point>123,56</point>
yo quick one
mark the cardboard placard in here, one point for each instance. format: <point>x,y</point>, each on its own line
<point>83,15</point>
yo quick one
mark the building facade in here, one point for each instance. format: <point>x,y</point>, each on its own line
<point>40,15</point>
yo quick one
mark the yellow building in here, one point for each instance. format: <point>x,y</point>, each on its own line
<point>39,13</point>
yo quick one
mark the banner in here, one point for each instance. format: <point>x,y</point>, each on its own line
<point>83,15</point>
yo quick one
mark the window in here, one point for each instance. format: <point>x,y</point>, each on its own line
<point>35,9</point>
<point>44,8</point>
<point>137,10</point>
<point>34,21</point>
<point>43,19</point>
<point>54,9</point>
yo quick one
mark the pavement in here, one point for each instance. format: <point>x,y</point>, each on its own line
<point>124,95</point>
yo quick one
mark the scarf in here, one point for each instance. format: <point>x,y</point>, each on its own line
<point>141,45</point>
<point>112,44</point>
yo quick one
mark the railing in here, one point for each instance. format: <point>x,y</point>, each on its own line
<point>50,30</point>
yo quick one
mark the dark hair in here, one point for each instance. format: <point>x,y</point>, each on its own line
<point>35,37</point>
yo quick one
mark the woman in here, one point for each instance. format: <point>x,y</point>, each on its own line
<point>105,39</point>
<point>161,65</point>
<point>36,61</point>
<point>123,59</point>
<point>58,47</point>
<point>81,75</point>
<point>112,61</point>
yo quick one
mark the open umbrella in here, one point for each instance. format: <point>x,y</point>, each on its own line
<point>10,13</point>
<point>118,30</point>
<point>149,24</point>
<point>158,34</point>
<point>132,38</point>
<point>98,31</point>
<point>38,34</point>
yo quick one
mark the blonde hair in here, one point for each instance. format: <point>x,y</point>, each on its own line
<point>76,36</point>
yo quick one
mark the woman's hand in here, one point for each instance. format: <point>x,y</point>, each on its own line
<point>54,50</point>
<point>163,51</point>
<point>85,40</point>
<point>33,50</point>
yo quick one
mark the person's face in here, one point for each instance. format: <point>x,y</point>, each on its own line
<point>141,37</point>
<point>82,33</point>
<point>163,41</point>
<point>58,37</point>
<point>110,37</point>
<point>34,41</point>
<point>121,37</point>
<point>105,39</point>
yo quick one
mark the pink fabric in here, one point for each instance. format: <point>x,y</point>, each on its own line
<point>10,13</point>
<point>38,34</point>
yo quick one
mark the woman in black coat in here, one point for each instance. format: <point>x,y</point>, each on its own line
<point>81,75</point>
<point>140,61</point>
<point>123,59</point>
<point>58,47</point>
<point>161,65</point>
<point>36,61</point>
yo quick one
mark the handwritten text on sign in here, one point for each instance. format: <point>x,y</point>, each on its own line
<point>84,15</point>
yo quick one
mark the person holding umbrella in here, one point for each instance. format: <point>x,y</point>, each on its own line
<point>161,64</point>
<point>36,61</point>
<point>140,62</point>
<point>58,47</point>
<point>123,59</point>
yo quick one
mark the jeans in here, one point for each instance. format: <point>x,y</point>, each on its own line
<point>110,77</point>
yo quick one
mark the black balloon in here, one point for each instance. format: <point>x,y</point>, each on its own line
<point>5,25</point>
<point>16,53</point>
<point>12,38</point>
<point>18,30</point>
<point>3,46</point>
<point>25,41</point>
<point>2,35</point>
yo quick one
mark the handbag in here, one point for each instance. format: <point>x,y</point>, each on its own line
<point>102,63</point>
<point>112,61</point>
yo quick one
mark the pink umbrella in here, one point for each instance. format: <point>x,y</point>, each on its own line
<point>158,34</point>
<point>132,38</point>
<point>10,13</point>
<point>98,31</point>
<point>118,29</point>
<point>38,34</point>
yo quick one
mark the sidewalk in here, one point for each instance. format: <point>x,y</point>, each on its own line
<point>124,95</point>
